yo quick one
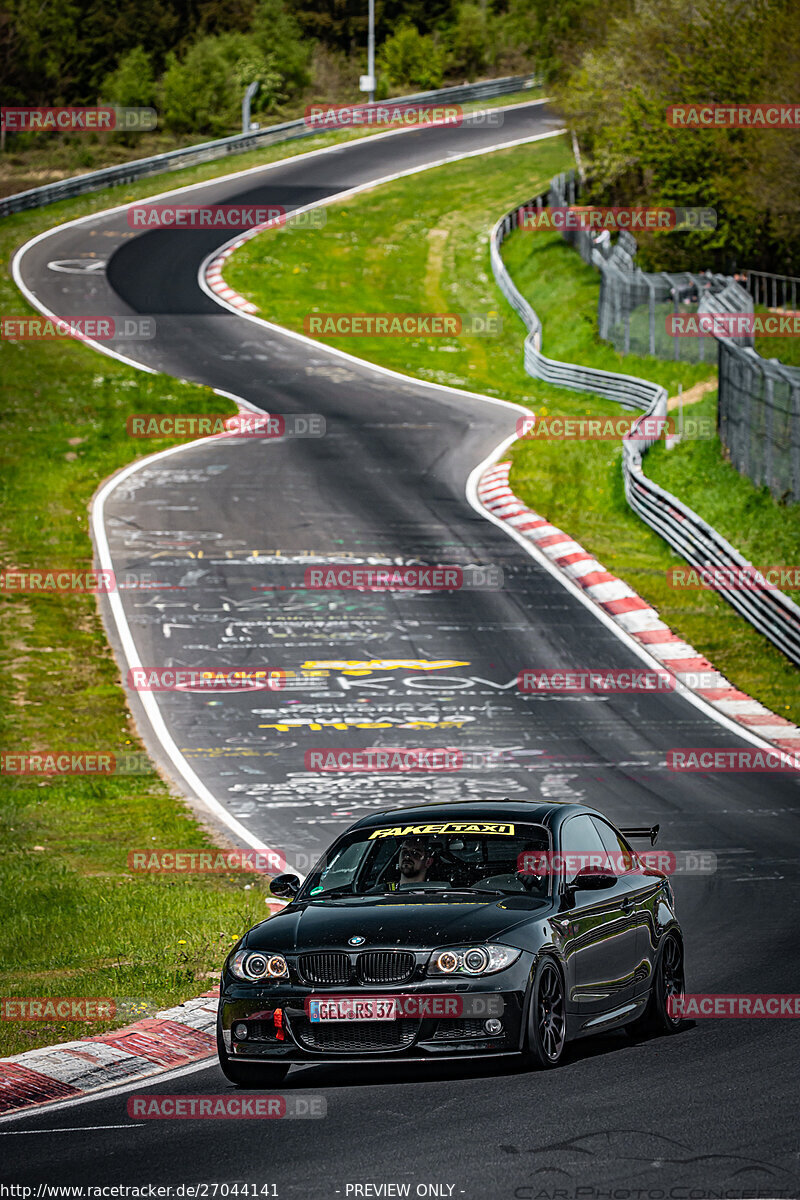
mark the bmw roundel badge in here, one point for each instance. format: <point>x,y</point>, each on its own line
<point>355,941</point>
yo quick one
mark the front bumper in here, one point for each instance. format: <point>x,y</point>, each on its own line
<point>291,1037</point>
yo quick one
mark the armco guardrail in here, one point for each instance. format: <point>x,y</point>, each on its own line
<point>773,291</point>
<point>190,156</point>
<point>768,610</point>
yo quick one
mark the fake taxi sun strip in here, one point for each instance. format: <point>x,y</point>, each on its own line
<point>482,827</point>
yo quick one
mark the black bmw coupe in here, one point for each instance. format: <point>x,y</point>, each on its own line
<point>455,931</point>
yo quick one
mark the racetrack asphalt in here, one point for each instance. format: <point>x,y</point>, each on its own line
<point>229,527</point>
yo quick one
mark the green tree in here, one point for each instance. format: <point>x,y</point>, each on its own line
<point>278,38</point>
<point>132,84</point>
<point>555,35</point>
<point>410,59</point>
<point>471,40</point>
<point>342,24</point>
<point>673,52</point>
<point>247,64</point>
<point>198,93</point>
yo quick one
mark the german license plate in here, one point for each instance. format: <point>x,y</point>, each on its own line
<point>352,1008</point>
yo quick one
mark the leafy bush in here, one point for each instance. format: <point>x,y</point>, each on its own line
<point>198,93</point>
<point>131,85</point>
<point>412,60</point>
<point>471,40</point>
<point>248,64</point>
<point>278,39</point>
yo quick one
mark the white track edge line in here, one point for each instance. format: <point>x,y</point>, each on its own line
<point>606,618</point>
<point>147,699</point>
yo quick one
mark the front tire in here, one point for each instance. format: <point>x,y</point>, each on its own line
<point>249,1075</point>
<point>669,983</point>
<point>546,1034</point>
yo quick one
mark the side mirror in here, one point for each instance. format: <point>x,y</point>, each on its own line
<point>590,879</point>
<point>285,886</point>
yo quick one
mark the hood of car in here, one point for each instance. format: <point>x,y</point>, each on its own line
<point>414,921</point>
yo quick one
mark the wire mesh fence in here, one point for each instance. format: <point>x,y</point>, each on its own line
<point>759,418</point>
<point>642,312</point>
<point>636,307</point>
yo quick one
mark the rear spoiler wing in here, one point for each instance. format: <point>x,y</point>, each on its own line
<point>642,831</point>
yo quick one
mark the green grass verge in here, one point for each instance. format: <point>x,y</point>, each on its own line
<point>435,258</point>
<point>785,349</point>
<point>78,922</point>
<point>747,516</point>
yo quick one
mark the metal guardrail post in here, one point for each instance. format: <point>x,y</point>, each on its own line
<point>769,424</point>
<point>250,91</point>
<point>795,441</point>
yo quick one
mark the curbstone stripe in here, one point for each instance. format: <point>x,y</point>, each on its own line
<point>632,613</point>
<point>173,1038</point>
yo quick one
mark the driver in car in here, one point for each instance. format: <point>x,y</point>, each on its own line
<point>414,861</point>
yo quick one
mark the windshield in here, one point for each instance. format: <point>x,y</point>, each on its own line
<point>479,856</point>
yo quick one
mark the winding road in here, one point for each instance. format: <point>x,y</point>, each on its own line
<point>227,528</point>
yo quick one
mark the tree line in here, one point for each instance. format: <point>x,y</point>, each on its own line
<point>612,71</point>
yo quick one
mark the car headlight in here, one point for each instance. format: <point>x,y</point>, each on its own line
<point>253,965</point>
<point>472,960</point>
